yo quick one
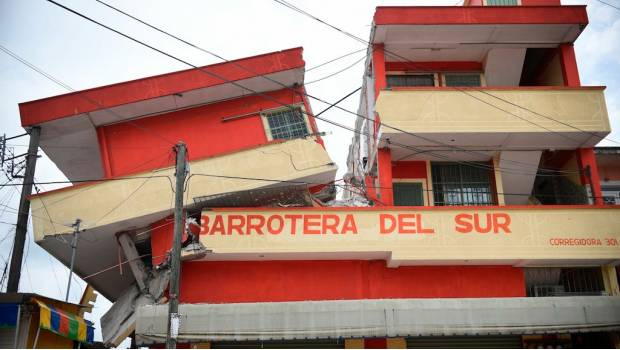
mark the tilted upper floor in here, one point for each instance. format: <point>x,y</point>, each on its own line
<point>247,126</point>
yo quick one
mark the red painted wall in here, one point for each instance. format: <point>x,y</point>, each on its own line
<point>127,149</point>
<point>375,343</point>
<point>444,66</point>
<point>569,65</point>
<point>409,170</point>
<point>262,281</point>
<point>51,108</point>
<point>473,3</point>
<point>420,15</point>
<point>384,159</point>
<point>523,3</point>
<point>540,2</point>
<point>609,172</point>
<point>585,158</point>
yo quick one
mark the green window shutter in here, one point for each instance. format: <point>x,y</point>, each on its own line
<point>463,80</point>
<point>502,2</point>
<point>408,193</point>
<point>411,80</point>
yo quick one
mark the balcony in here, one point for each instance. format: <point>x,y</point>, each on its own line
<point>504,118</point>
<point>108,207</point>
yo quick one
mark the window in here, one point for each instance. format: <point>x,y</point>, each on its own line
<point>611,194</point>
<point>411,80</point>
<point>463,79</point>
<point>564,281</point>
<point>458,184</point>
<point>287,123</point>
<point>408,193</point>
<point>502,2</point>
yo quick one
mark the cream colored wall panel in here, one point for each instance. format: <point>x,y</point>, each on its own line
<point>416,235</point>
<point>110,202</point>
<point>494,110</point>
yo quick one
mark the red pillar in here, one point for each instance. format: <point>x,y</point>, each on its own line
<point>378,66</point>
<point>371,190</point>
<point>569,65</point>
<point>384,159</point>
<point>585,158</point>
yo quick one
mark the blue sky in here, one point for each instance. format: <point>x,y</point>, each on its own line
<point>83,56</point>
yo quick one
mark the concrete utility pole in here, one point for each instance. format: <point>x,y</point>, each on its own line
<point>23,212</point>
<point>173,303</point>
<point>74,242</point>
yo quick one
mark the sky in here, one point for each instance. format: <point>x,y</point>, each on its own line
<point>83,55</point>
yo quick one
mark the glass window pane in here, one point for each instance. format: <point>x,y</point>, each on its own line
<point>462,79</point>
<point>411,80</point>
<point>287,124</point>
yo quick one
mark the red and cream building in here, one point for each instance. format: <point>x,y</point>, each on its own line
<point>486,222</point>
<point>476,117</point>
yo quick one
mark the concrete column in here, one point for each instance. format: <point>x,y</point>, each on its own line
<point>499,185</point>
<point>585,159</point>
<point>378,67</point>
<point>396,343</point>
<point>357,343</point>
<point>569,65</point>
<point>610,279</point>
<point>429,185</point>
<point>384,159</point>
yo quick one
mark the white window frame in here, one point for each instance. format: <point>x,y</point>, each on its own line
<point>265,113</point>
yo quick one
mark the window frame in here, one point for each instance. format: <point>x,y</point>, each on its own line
<point>486,3</point>
<point>413,180</point>
<point>265,119</point>
<point>492,193</point>
<point>434,74</point>
<point>483,81</point>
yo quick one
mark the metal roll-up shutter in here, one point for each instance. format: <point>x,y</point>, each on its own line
<point>466,342</point>
<point>281,344</point>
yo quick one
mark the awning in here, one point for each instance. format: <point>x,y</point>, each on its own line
<point>65,324</point>
<point>8,315</point>
<point>381,318</point>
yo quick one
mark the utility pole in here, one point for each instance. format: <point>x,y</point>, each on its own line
<point>76,231</point>
<point>173,303</point>
<point>24,209</point>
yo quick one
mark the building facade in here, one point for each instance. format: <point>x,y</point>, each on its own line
<point>485,221</point>
<point>473,112</point>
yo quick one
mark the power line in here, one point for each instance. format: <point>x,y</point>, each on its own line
<point>265,77</point>
<point>86,181</point>
<point>80,94</point>
<point>365,42</point>
<point>240,66</point>
<point>333,60</point>
<point>608,4</point>
<point>337,72</point>
<point>127,198</point>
